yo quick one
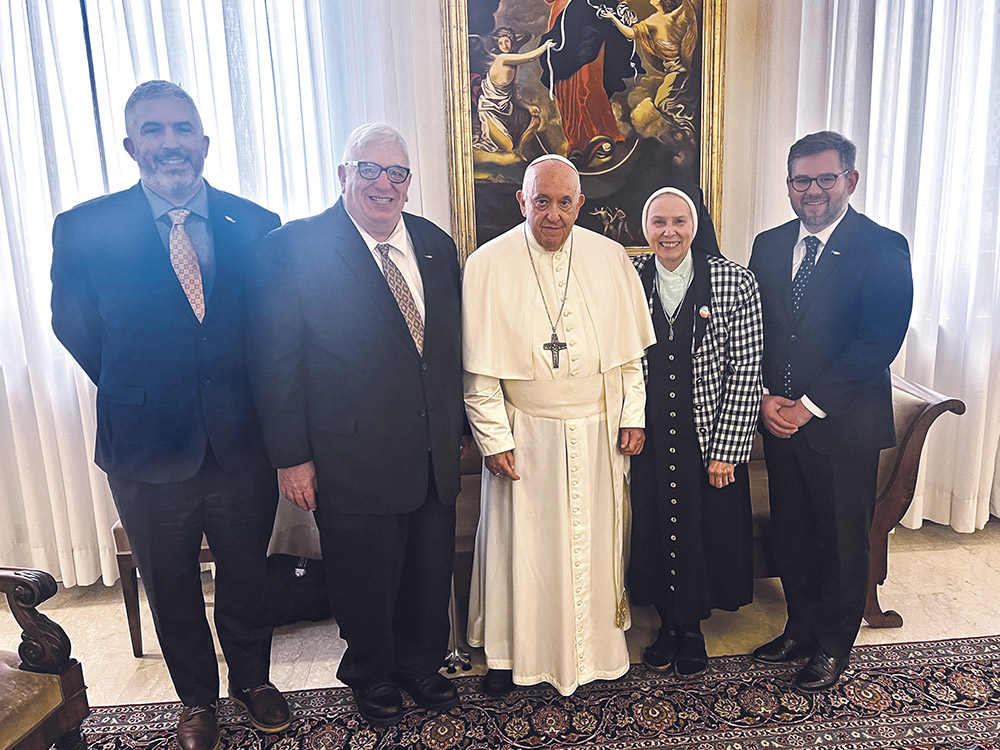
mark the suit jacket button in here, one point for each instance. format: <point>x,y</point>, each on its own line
<point>793,337</point>
<point>423,366</point>
<point>423,412</point>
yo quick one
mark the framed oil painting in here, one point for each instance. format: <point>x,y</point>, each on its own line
<point>629,91</point>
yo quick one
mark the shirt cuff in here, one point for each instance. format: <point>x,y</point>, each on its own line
<point>816,411</point>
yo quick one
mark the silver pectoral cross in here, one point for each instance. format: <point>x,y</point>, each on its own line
<point>555,346</point>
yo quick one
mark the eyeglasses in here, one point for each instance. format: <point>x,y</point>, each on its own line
<point>801,183</point>
<point>371,171</point>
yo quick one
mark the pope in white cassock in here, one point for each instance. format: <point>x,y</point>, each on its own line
<point>554,327</point>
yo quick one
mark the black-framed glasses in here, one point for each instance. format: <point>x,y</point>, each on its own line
<point>801,183</point>
<point>370,171</point>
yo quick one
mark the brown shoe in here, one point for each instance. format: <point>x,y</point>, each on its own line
<point>266,706</point>
<point>198,729</point>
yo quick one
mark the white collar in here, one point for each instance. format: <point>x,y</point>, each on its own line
<point>544,252</point>
<point>397,239</point>
<point>683,273</point>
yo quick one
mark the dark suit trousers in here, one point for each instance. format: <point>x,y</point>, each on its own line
<point>164,524</point>
<point>821,515</point>
<point>389,578</point>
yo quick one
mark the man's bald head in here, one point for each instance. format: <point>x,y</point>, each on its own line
<point>550,199</point>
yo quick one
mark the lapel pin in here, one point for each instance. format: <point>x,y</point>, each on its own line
<point>429,257</point>
<point>704,312</point>
<point>230,219</point>
<point>835,252</point>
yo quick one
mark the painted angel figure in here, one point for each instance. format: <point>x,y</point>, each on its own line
<point>667,39</point>
<point>506,124</point>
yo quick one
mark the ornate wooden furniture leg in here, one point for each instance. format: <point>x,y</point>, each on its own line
<point>43,699</point>
<point>915,409</point>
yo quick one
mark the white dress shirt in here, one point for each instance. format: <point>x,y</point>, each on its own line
<point>403,255</point>
<point>799,251</point>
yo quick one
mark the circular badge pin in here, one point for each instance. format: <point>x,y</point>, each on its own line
<point>703,312</point>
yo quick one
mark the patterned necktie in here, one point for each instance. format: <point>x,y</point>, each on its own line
<point>185,261</point>
<point>798,287</point>
<point>401,291</point>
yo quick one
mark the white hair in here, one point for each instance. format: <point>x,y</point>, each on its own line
<point>373,132</point>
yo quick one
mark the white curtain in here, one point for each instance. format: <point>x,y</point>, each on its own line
<point>935,138</point>
<point>279,86</point>
<point>916,84</point>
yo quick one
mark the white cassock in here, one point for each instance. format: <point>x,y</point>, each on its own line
<point>548,596</point>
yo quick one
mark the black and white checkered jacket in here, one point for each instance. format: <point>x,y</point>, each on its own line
<point>726,354</point>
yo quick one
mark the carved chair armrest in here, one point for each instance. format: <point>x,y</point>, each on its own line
<point>45,646</point>
<point>902,479</point>
<point>919,407</point>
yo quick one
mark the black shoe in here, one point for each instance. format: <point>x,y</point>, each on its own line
<point>380,703</point>
<point>783,649</point>
<point>821,673</point>
<point>433,690</point>
<point>692,658</point>
<point>498,682</point>
<point>659,655</point>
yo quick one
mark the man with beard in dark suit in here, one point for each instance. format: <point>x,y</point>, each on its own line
<point>148,296</point>
<point>836,291</point>
<point>357,370</point>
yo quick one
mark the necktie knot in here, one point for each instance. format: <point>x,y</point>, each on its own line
<point>383,249</point>
<point>179,215</point>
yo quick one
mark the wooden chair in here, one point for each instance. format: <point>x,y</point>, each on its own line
<point>130,582</point>
<point>43,699</point>
<point>915,409</point>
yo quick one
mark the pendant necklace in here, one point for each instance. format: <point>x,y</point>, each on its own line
<point>670,318</point>
<point>555,345</point>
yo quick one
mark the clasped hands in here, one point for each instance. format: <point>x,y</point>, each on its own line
<point>782,416</point>
<point>630,442</point>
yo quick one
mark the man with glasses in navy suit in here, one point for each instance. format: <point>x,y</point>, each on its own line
<point>836,292</point>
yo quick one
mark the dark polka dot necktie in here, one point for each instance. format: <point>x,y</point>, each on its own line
<point>798,287</point>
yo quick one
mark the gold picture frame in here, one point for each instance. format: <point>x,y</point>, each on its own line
<point>491,175</point>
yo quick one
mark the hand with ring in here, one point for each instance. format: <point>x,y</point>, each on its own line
<point>501,465</point>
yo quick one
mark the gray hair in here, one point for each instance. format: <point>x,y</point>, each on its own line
<point>373,132</point>
<point>824,140</point>
<point>155,90</point>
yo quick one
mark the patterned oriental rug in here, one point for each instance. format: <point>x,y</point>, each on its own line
<point>919,696</point>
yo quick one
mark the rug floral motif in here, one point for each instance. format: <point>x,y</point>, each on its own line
<point>924,696</point>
